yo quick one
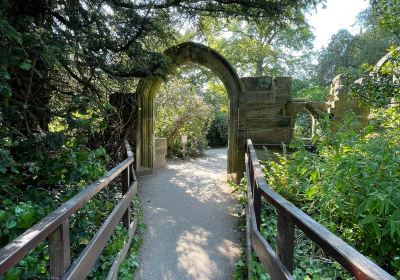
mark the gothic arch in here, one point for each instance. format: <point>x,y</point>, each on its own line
<point>179,55</point>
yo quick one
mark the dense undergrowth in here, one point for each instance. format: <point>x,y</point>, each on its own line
<point>41,179</point>
<point>350,185</point>
<point>310,262</point>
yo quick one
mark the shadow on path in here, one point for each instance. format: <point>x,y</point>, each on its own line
<point>189,212</point>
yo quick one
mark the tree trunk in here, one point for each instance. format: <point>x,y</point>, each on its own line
<point>259,67</point>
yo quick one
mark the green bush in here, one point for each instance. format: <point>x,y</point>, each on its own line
<point>351,185</point>
<point>37,176</point>
<point>182,111</point>
<point>309,90</point>
<point>303,125</point>
<point>309,263</point>
<point>217,135</point>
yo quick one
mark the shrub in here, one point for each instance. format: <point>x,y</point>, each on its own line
<point>181,111</point>
<point>351,185</point>
<point>217,135</point>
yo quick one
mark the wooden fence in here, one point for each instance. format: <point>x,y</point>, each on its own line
<point>55,228</point>
<point>279,264</point>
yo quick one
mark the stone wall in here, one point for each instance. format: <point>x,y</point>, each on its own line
<point>271,112</point>
<point>339,103</point>
<point>266,98</point>
<point>160,153</point>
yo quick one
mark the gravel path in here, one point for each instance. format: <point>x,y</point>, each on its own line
<point>189,212</point>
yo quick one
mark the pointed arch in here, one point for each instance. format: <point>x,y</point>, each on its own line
<point>193,53</point>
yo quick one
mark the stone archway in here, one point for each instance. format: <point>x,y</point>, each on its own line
<point>187,53</point>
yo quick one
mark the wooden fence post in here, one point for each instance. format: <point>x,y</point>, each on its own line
<point>255,192</point>
<point>257,205</point>
<point>285,241</point>
<point>59,251</point>
<point>125,188</point>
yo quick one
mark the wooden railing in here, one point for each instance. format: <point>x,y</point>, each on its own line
<point>55,228</point>
<point>279,264</point>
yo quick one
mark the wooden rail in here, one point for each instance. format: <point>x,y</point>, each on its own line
<point>279,264</point>
<point>55,228</point>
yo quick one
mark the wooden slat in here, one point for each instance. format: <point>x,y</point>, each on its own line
<point>265,253</point>
<point>249,256</point>
<point>13,252</point>
<point>267,256</point>
<point>357,264</point>
<point>125,187</point>
<point>113,274</point>
<point>257,205</point>
<point>59,251</point>
<point>285,241</point>
<point>83,265</point>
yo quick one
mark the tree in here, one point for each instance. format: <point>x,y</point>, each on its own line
<point>75,49</point>
<point>181,110</point>
<point>388,14</point>
<point>346,53</point>
<point>336,56</point>
<point>267,47</point>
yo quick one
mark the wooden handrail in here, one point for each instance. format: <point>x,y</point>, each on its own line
<point>92,251</point>
<point>55,227</point>
<point>288,216</point>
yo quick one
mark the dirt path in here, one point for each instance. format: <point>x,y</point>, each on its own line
<point>189,212</point>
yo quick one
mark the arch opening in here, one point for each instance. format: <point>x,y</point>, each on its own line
<point>304,127</point>
<point>192,53</point>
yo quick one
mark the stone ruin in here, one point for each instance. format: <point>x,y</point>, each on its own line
<point>271,111</point>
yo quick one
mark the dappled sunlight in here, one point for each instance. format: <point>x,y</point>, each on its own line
<point>188,208</point>
<point>193,258</point>
<point>228,248</point>
<point>205,173</point>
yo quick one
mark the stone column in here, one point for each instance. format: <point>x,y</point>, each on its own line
<point>339,102</point>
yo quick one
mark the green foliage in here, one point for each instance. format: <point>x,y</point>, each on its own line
<point>266,47</point>
<point>72,167</point>
<point>351,185</point>
<point>182,111</point>
<point>346,53</point>
<point>388,13</point>
<point>381,86</point>
<point>306,89</point>
<point>217,135</point>
<point>303,125</point>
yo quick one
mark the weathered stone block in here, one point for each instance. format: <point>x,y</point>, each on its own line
<point>282,99</point>
<point>270,136</point>
<point>260,97</point>
<point>266,123</point>
<point>283,83</point>
<point>160,146</point>
<point>257,83</point>
<point>345,104</point>
<point>263,110</point>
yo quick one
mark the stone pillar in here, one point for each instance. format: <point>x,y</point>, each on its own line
<point>339,103</point>
<point>160,152</point>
